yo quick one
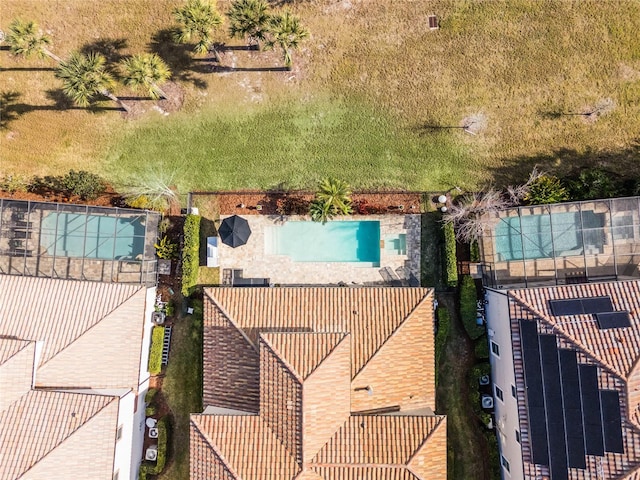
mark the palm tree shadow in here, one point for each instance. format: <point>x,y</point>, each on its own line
<point>27,69</point>
<point>109,47</point>
<point>176,56</point>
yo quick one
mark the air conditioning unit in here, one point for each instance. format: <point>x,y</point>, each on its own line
<point>151,453</point>
<point>487,402</point>
<point>158,318</point>
<point>153,433</point>
<point>485,380</point>
<point>490,332</point>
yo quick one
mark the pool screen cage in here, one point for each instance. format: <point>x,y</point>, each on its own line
<point>78,242</point>
<point>563,243</point>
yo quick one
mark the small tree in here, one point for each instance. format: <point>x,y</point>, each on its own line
<point>85,76</point>
<point>146,72</point>
<point>198,19</point>
<point>286,32</point>
<point>26,39</point>
<point>332,198</point>
<point>546,189</point>
<point>249,18</point>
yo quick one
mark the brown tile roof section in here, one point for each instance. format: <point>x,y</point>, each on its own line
<point>246,443</point>
<point>302,352</point>
<point>616,351</point>
<point>16,370</point>
<point>42,424</point>
<point>369,473</point>
<point>73,320</point>
<point>370,315</point>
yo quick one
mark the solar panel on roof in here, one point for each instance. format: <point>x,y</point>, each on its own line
<point>553,404</point>
<point>591,417</point>
<point>597,304</point>
<point>613,320</point>
<point>535,392</point>
<point>566,307</point>
<point>572,408</point>
<point>611,421</point>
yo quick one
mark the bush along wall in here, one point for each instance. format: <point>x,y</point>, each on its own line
<point>190,254</point>
<point>441,336</point>
<point>451,266</point>
<point>155,356</point>
<point>468,307</point>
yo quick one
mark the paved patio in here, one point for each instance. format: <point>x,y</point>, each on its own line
<point>398,266</point>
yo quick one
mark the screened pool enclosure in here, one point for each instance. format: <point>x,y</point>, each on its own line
<point>78,242</point>
<point>563,243</point>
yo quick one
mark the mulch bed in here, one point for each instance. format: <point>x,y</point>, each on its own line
<point>279,203</point>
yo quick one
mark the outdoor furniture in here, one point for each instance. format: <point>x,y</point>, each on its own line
<point>212,252</point>
<point>234,231</point>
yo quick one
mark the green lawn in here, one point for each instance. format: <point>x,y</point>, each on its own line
<point>182,387</point>
<point>293,144</point>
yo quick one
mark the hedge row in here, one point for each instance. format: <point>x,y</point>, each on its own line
<point>469,307</point>
<point>451,262</point>
<point>149,468</point>
<point>441,336</point>
<point>190,254</point>
<point>85,185</point>
<point>155,355</point>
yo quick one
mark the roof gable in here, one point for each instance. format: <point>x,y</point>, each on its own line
<point>16,370</point>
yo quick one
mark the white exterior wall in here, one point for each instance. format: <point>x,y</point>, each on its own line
<point>503,376</point>
<point>122,460</point>
<point>138,431</point>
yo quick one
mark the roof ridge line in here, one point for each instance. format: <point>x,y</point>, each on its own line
<point>216,451</point>
<point>28,342</point>
<point>344,336</point>
<point>113,398</point>
<point>286,364</point>
<point>426,439</point>
<point>396,330</point>
<point>90,328</point>
<point>583,348</point>
<point>232,321</point>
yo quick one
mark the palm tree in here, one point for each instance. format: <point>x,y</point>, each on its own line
<point>198,19</point>
<point>85,76</point>
<point>332,198</point>
<point>286,32</point>
<point>146,72</point>
<point>24,38</point>
<point>249,18</point>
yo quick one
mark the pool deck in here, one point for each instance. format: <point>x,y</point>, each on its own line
<point>394,269</point>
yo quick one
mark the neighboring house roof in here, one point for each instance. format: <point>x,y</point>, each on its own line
<point>568,349</point>
<point>81,324</point>
<point>312,358</point>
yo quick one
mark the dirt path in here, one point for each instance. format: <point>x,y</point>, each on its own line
<point>467,449</point>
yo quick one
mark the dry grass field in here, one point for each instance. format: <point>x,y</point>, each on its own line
<point>372,67</point>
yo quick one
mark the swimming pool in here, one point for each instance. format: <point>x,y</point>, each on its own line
<point>336,241</point>
<point>92,236</point>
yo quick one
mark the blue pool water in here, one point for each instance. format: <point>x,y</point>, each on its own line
<point>92,236</point>
<point>336,241</point>
<point>544,236</point>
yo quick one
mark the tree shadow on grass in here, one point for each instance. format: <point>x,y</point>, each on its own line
<point>109,47</point>
<point>27,69</point>
<point>565,162</point>
<point>177,56</point>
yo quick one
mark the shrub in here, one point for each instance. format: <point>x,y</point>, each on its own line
<point>150,411</point>
<point>14,183</point>
<point>482,347</point>
<point>190,254</point>
<point>594,183</point>
<point>165,249</point>
<point>170,309</point>
<point>149,468</point>
<point>475,251</point>
<point>46,184</point>
<point>546,189</point>
<point>164,225</point>
<point>151,393</point>
<point>84,184</point>
<point>143,202</point>
<point>441,336</point>
<point>469,307</point>
<point>155,355</point>
<point>451,266</point>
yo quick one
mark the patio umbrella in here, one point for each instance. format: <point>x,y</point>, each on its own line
<point>234,231</point>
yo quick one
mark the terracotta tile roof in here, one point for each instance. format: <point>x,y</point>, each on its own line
<point>302,373</point>
<point>615,351</point>
<point>377,439</point>
<point>16,370</point>
<point>370,315</point>
<point>302,352</point>
<point>74,319</point>
<point>41,425</point>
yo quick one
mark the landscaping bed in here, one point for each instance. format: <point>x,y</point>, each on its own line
<point>296,202</point>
